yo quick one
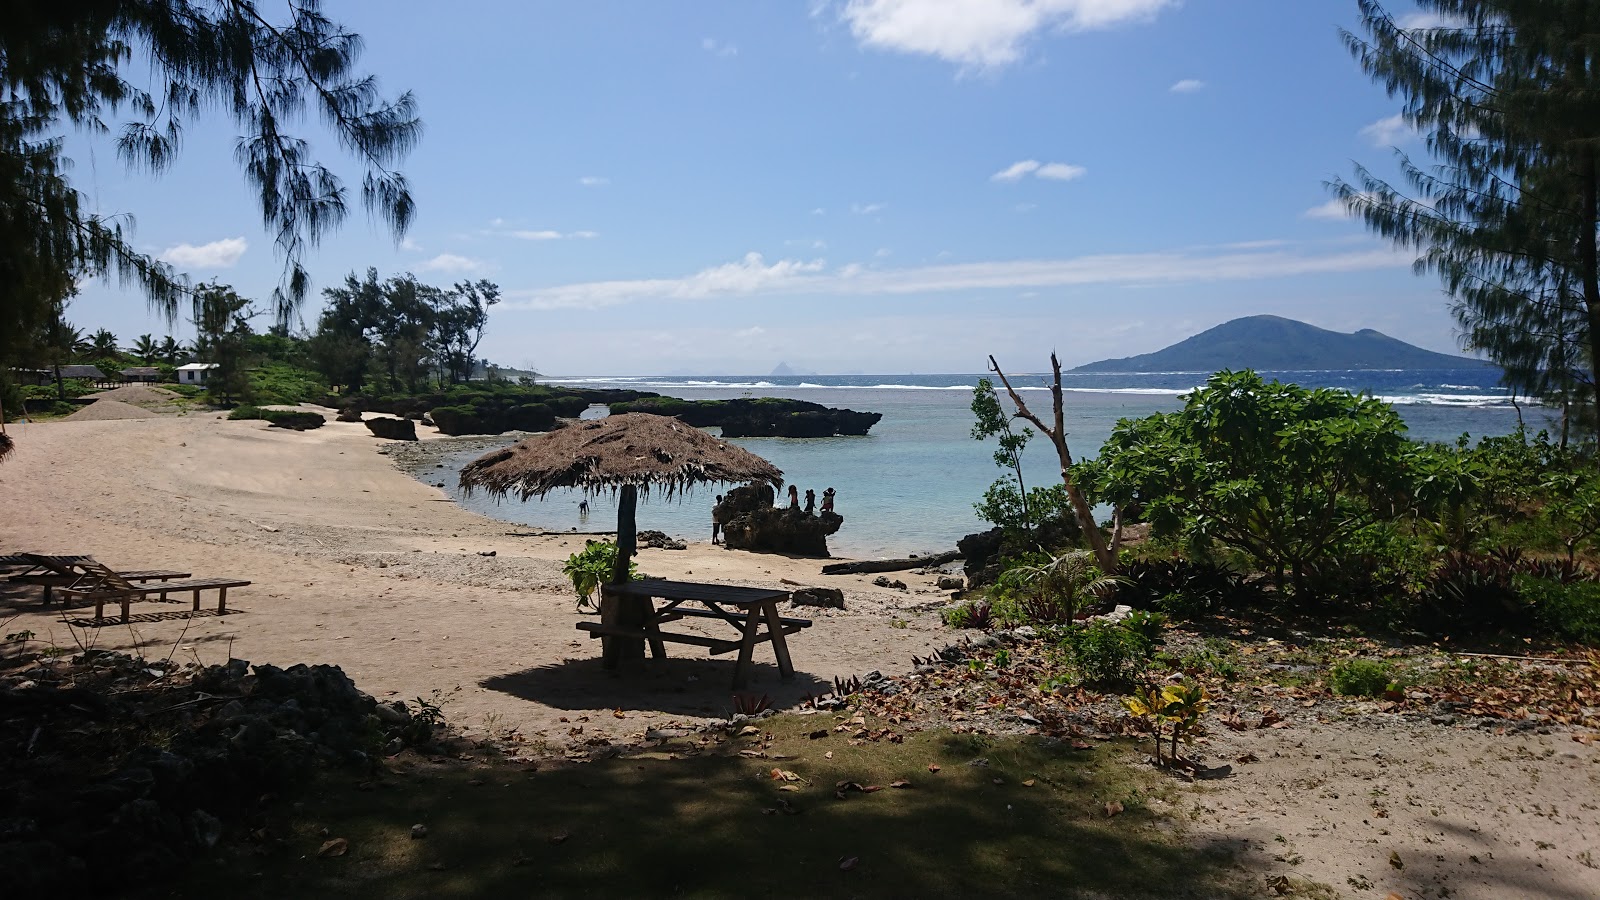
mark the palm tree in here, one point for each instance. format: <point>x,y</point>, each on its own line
<point>146,348</point>
<point>63,342</point>
<point>169,350</point>
<point>103,345</point>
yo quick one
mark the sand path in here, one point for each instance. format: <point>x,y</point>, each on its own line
<point>359,565</point>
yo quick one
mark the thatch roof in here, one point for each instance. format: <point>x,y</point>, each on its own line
<point>5,445</point>
<point>650,452</point>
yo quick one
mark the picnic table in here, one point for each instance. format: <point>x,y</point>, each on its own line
<point>630,619</point>
<point>55,571</point>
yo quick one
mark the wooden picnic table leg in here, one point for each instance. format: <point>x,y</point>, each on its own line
<point>610,647</point>
<point>126,599</point>
<point>747,648</point>
<point>658,647</point>
<point>222,601</point>
<point>196,599</point>
<point>780,646</point>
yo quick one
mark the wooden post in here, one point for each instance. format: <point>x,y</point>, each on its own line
<point>631,612</point>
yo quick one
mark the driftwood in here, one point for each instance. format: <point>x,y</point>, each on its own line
<point>890,565</point>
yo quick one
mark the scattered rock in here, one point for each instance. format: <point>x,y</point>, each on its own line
<point>419,831</point>
<point>883,581</point>
<point>951,583</point>
<point>392,429</point>
<point>659,540</point>
<point>830,598</point>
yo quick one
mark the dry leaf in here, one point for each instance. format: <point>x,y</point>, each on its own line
<point>559,838</point>
<point>617,713</point>
<point>828,755</point>
<point>1394,860</point>
<point>747,731</point>
<point>1113,807</point>
<point>900,784</point>
<point>1028,783</point>
<point>1080,745</point>
<point>335,847</point>
<point>932,767</point>
<point>848,863</point>
<point>788,787</point>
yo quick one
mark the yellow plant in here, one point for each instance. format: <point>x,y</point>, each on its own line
<point>1180,704</point>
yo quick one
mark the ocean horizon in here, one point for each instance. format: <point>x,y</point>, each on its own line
<point>909,486</point>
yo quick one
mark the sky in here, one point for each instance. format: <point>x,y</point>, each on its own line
<point>875,186</point>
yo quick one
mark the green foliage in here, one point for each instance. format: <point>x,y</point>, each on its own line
<point>591,567</point>
<point>284,384</point>
<point>247,412</point>
<point>1147,625</point>
<point>1568,610</point>
<point>1050,590</point>
<point>1472,594</point>
<point>1179,705</point>
<point>970,614</point>
<point>400,332</point>
<point>1106,654</point>
<point>297,420</point>
<point>1214,657</point>
<point>1360,677</point>
<point>1182,588</point>
<point>1005,504</point>
<point>1279,472</point>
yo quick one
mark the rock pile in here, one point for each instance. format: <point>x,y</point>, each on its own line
<point>135,766</point>
<point>751,522</point>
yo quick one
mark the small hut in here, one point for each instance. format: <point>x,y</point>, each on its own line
<point>625,453</point>
<point>141,374</point>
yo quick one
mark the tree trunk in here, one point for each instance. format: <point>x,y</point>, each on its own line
<point>1591,267</point>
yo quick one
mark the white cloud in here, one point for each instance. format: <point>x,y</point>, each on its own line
<point>547,234</point>
<point>1187,86</point>
<point>450,262</point>
<point>1333,210</point>
<point>409,244</point>
<point>819,211</point>
<point>718,48</point>
<point>746,334</point>
<point>594,181</point>
<point>979,34</point>
<point>1387,132</point>
<point>753,276</point>
<point>1056,171</point>
<point>1016,170</point>
<point>1419,20</point>
<point>215,255</point>
<point>867,209</point>
<point>583,235</point>
<point>1060,171</point>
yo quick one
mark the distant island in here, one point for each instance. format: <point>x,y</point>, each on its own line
<point>1273,343</point>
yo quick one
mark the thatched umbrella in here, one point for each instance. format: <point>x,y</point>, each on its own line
<point>5,444</point>
<point>623,454</point>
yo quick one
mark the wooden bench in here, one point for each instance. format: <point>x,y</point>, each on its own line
<point>630,620</point>
<point>105,584</point>
<point>52,580</point>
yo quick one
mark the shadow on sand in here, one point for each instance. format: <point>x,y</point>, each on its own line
<point>677,685</point>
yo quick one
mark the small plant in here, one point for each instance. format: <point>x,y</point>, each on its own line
<point>1181,705</point>
<point>1108,654</point>
<point>1002,658</point>
<point>971,614</point>
<point>1360,678</point>
<point>750,704</point>
<point>1147,625</point>
<point>591,567</point>
<point>1215,657</point>
<point>1053,592</point>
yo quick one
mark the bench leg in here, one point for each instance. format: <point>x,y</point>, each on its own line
<point>610,647</point>
<point>658,647</point>
<point>222,600</point>
<point>780,646</point>
<point>747,648</point>
<point>99,608</point>
<point>197,600</point>
<point>126,599</point>
<point>48,591</point>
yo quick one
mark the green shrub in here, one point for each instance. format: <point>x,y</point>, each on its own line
<point>1184,589</point>
<point>1050,590</point>
<point>971,614</point>
<point>591,567</point>
<point>1360,677</point>
<point>1147,625</point>
<point>297,420</point>
<point>247,412</point>
<point>1106,653</point>
<point>1472,593</point>
<point>1570,611</point>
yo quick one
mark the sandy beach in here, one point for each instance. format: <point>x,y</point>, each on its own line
<point>357,564</point>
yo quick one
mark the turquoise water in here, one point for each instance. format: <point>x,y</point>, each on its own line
<point>909,486</point>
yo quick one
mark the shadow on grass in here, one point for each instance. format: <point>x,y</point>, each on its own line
<point>678,685</point>
<point>1000,817</point>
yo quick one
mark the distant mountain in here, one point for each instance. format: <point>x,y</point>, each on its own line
<point>784,371</point>
<point>1274,343</point>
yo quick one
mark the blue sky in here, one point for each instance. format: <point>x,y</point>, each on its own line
<point>881,186</point>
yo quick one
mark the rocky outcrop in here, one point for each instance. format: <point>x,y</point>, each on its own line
<point>350,414</point>
<point>984,551</point>
<point>392,429</point>
<point>660,540</point>
<point>751,522</point>
<point>757,417</point>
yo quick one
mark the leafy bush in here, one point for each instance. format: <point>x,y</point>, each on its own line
<point>1147,625</point>
<point>276,382</point>
<point>1360,677</point>
<point>1276,471</point>
<point>297,420</point>
<point>247,412</point>
<point>1570,609</point>
<point>1472,593</point>
<point>1050,590</point>
<point>971,614</point>
<point>1106,653</point>
<point>591,567</point>
<point>1182,588</point>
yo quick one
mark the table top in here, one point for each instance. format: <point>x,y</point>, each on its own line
<point>691,590</point>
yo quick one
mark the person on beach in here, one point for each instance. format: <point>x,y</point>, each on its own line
<point>716,521</point>
<point>583,509</point>
<point>827,500</point>
<point>811,501</point>
<point>794,497</point>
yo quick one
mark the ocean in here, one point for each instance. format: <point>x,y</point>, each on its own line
<point>909,486</point>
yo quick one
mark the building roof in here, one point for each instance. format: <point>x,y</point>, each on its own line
<point>195,367</point>
<point>141,370</point>
<point>82,372</point>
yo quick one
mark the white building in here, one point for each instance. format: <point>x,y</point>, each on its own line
<point>195,373</point>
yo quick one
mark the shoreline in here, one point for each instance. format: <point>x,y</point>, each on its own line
<point>354,562</point>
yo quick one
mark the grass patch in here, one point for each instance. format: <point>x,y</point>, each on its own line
<point>1029,819</point>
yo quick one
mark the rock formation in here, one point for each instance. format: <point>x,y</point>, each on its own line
<point>751,522</point>
<point>392,429</point>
